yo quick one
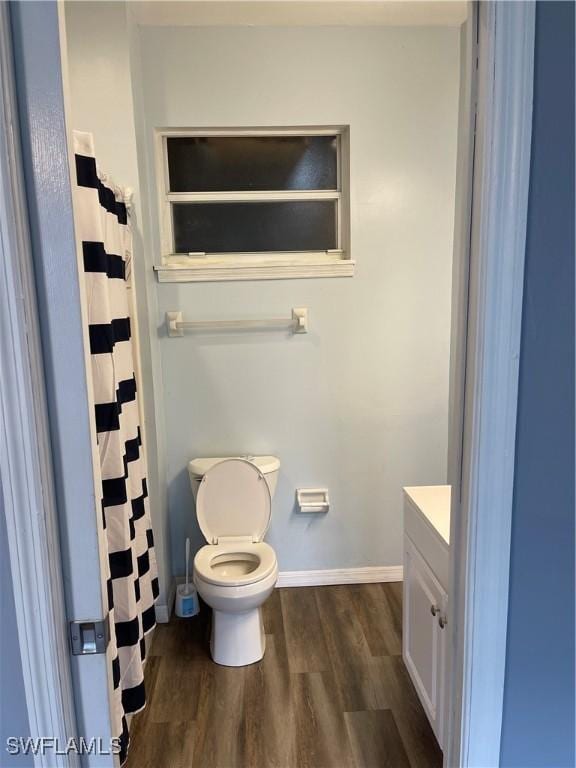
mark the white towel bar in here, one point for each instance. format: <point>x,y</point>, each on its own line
<point>298,323</point>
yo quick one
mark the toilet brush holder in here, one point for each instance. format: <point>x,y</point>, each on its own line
<point>186,601</point>
<point>187,604</point>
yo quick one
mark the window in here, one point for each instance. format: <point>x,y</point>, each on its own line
<point>252,203</point>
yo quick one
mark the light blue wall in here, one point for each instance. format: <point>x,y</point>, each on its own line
<point>13,709</point>
<point>360,404</point>
<point>538,724</point>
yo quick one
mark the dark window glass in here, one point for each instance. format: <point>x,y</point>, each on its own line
<point>244,163</point>
<point>237,227</point>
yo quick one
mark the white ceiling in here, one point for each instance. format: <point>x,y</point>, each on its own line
<point>396,13</point>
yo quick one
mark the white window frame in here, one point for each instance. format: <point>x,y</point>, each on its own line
<point>260,265</point>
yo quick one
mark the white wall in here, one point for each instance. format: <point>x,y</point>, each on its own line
<point>359,404</point>
<point>101,101</point>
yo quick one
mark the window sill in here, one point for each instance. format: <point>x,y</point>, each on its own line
<point>201,270</point>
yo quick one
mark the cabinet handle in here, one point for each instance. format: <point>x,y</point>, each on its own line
<point>433,610</point>
<point>442,621</point>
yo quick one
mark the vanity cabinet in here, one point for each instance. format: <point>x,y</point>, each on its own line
<point>425,598</point>
<point>424,639</point>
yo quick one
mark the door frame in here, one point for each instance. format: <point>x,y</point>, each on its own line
<point>26,467</point>
<point>49,459</point>
<point>483,423</point>
<point>482,426</point>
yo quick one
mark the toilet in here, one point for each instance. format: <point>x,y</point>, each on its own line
<point>236,571</point>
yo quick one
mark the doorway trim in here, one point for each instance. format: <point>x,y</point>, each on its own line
<point>488,417</point>
<point>26,456</point>
<point>485,420</point>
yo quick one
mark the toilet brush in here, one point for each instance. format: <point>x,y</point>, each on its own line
<point>186,596</point>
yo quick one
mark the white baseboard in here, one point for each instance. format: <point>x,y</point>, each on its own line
<point>320,578</point>
<point>164,610</point>
<point>366,575</point>
<point>162,614</point>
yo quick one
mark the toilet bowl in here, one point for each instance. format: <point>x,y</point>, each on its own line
<point>236,571</point>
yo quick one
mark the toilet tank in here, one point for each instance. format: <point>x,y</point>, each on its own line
<point>268,465</point>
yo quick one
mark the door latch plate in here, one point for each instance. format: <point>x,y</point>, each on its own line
<point>89,637</point>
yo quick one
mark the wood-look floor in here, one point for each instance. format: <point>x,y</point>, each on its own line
<point>331,692</point>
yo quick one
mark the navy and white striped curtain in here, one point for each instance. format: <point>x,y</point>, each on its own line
<point>126,537</point>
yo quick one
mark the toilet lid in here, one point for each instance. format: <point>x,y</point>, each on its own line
<point>233,500</point>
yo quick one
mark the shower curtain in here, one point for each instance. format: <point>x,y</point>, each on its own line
<point>132,583</point>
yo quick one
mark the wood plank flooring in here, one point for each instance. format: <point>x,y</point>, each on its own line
<point>331,692</point>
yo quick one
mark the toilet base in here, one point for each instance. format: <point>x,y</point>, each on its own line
<point>237,639</point>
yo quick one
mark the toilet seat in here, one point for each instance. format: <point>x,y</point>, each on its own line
<point>233,501</point>
<point>233,511</point>
<point>221,564</point>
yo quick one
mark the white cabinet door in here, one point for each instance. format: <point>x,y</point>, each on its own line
<point>424,639</point>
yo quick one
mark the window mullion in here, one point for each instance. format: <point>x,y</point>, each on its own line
<point>260,196</point>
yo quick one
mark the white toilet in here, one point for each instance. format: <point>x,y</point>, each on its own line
<point>236,571</point>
